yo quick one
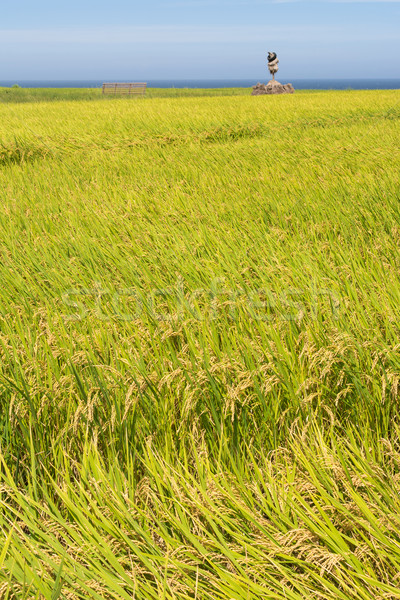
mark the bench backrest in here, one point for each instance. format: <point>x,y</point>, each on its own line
<point>130,89</point>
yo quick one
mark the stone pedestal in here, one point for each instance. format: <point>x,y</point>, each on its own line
<point>272,87</point>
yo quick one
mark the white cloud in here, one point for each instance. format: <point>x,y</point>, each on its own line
<point>190,34</point>
<point>201,3</point>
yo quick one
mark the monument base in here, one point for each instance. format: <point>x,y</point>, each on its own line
<point>272,87</point>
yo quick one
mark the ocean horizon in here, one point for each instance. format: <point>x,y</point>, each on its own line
<point>318,84</point>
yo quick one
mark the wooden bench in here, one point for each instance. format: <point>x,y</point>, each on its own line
<point>128,89</point>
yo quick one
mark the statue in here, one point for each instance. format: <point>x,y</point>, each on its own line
<point>273,64</point>
<point>273,86</point>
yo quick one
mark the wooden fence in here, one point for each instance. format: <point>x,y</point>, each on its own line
<point>128,89</point>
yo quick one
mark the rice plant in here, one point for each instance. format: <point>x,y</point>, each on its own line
<point>199,344</point>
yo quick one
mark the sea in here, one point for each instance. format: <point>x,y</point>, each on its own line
<point>300,84</point>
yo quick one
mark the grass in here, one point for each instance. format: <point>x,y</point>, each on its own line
<point>199,324</point>
<point>14,95</point>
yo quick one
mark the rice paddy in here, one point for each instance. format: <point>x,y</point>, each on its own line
<point>199,346</point>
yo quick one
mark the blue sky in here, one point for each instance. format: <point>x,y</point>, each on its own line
<point>190,39</point>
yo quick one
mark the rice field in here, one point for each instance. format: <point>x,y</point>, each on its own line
<point>199,347</point>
